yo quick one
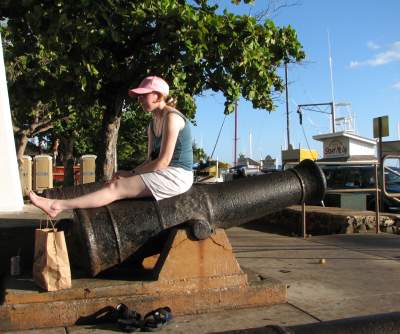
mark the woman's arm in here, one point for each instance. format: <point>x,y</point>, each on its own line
<point>173,123</point>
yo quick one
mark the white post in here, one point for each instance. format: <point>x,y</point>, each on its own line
<point>398,130</point>
<point>250,145</point>
<point>10,184</point>
<point>217,167</point>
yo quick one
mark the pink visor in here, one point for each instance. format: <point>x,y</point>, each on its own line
<point>151,84</point>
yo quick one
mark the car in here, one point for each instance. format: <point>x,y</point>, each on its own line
<point>240,171</point>
<point>347,177</point>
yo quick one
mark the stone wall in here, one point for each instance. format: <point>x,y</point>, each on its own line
<point>321,221</point>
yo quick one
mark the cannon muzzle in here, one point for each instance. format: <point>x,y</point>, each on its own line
<point>106,236</point>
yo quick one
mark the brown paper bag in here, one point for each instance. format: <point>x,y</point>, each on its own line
<point>51,270</point>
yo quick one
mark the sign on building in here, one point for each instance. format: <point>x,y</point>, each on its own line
<point>381,126</point>
<point>336,148</point>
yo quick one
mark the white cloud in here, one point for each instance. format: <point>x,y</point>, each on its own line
<point>354,64</point>
<point>392,53</point>
<point>396,85</point>
<point>373,46</point>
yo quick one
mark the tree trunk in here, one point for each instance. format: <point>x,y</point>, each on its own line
<point>106,159</point>
<point>22,141</point>
<point>68,150</point>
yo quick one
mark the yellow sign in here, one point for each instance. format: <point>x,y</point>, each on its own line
<point>381,126</point>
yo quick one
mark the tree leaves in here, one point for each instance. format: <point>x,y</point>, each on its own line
<point>84,55</point>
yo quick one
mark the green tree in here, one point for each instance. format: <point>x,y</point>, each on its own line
<point>35,123</point>
<point>132,136</point>
<point>77,136</point>
<point>198,153</point>
<point>39,99</point>
<point>83,53</point>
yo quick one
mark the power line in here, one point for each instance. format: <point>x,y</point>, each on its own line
<point>305,137</point>
<point>219,134</point>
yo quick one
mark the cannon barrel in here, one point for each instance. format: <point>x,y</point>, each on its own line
<point>108,235</point>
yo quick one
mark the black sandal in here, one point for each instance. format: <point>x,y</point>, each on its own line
<point>128,320</point>
<point>155,320</point>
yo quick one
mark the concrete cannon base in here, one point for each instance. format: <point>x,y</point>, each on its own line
<point>189,276</point>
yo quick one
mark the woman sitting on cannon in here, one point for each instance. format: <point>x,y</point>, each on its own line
<point>166,172</point>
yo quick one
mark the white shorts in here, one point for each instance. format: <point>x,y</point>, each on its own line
<point>168,182</point>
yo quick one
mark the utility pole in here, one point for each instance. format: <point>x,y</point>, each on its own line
<point>302,107</point>
<point>287,105</point>
<point>333,113</point>
<point>236,138</point>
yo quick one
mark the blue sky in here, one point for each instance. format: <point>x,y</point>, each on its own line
<point>365,48</point>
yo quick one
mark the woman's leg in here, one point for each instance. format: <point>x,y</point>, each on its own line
<point>124,187</point>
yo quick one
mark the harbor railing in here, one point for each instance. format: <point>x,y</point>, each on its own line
<point>371,190</point>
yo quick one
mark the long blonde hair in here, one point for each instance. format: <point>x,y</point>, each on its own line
<point>170,101</point>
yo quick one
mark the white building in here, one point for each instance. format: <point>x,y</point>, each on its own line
<point>346,147</point>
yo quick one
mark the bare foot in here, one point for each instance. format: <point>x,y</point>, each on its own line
<point>44,204</point>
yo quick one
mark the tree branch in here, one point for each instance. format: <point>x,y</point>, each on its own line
<point>272,8</point>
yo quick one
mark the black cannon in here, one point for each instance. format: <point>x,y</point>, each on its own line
<point>106,236</point>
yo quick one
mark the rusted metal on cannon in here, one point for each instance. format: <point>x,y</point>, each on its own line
<point>106,236</point>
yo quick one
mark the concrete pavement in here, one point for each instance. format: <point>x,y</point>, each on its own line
<point>360,276</point>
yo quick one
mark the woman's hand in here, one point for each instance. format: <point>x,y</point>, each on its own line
<point>122,173</point>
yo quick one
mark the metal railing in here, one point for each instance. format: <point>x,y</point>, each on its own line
<point>394,196</point>
<point>375,190</point>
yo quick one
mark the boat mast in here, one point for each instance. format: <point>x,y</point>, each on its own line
<point>332,88</point>
<point>250,145</point>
